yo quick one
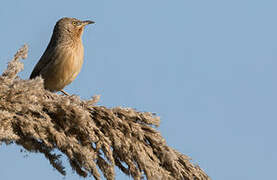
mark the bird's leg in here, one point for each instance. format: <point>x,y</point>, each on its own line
<point>65,93</point>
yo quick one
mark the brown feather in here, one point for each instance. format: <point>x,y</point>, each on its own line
<point>62,60</point>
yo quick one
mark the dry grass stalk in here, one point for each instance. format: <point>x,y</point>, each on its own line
<point>89,135</point>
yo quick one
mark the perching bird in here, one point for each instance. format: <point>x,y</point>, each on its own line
<point>63,58</point>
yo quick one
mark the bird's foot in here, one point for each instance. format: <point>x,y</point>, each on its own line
<point>65,93</point>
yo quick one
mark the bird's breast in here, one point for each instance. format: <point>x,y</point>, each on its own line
<point>67,65</point>
<point>72,66</point>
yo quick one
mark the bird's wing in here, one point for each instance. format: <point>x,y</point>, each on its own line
<point>45,59</point>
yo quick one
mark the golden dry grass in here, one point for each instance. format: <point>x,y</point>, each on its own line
<point>87,134</point>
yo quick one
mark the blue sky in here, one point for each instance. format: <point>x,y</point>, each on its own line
<point>207,68</point>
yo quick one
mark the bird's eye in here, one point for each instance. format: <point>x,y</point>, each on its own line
<point>75,23</point>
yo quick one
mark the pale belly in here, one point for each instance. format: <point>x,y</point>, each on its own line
<point>64,70</point>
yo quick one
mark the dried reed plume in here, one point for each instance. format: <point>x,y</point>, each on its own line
<point>88,135</point>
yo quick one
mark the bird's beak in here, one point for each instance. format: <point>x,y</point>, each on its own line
<point>84,23</point>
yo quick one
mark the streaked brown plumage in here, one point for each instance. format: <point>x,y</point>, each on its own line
<point>63,58</point>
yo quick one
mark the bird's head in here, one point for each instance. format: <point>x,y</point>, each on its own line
<point>71,27</point>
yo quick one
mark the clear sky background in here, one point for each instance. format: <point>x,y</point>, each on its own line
<point>207,68</point>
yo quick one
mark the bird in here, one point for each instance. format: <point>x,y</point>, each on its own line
<point>62,60</point>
